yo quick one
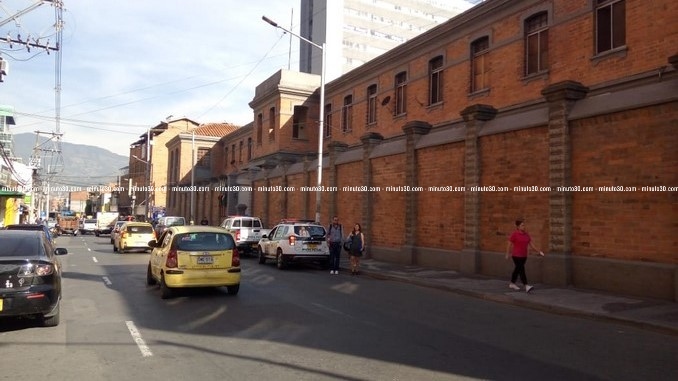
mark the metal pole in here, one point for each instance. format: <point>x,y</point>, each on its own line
<point>321,136</point>
<point>148,172</point>
<point>192,177</point>
<point>321,113</point>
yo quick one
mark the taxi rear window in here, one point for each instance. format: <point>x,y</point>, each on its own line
<point>204,241</point>
<point>140,229</point>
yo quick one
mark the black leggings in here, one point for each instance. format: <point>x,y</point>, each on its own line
<point>519,270</point>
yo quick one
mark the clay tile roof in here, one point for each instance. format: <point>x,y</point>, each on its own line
<point>215,129</point>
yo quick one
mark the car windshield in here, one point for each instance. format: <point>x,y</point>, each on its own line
<point>204,241</point>
<point>14,246</point>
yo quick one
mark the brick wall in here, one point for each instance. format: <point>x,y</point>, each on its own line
<point>633,149</point>
<point>440,223</point>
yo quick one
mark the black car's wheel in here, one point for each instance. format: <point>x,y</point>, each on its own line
<point>165,292</point>
<point>262,256</point>
<point>52,321</point>
<point>233,290</point>
<point>149,276</point>
<point>279,260</point>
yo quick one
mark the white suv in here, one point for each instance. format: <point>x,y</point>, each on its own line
<point>293,241</point>
<point>247,231</point>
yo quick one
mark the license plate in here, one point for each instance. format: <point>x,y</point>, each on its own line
<point>312,246</point>
<point>205,260</point>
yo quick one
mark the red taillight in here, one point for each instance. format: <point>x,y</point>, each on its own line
<point>237,235</point>
<point>235,261</point>
<point>292,240</point>
<point>172,260</point>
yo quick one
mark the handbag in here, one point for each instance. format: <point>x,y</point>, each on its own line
<point>347,244</point>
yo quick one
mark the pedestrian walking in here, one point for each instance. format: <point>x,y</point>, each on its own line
<point>518,248</point>
<point>357,248</point>
<point>335,235</point>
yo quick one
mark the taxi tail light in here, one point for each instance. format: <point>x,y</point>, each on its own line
<point>292,239</point>
<point>237,235</point>
<point>172,260</point>
<point>235,259</point>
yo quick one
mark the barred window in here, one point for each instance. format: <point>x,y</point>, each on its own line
<point>347,114</point>
<point>401,93</point>
<point>372,104</point>
<point>480,64</point>
<point>203,158</point>
<point>435,80</point>
<point>328,121</point>
<point>610,25</point>
<point>536,43</point>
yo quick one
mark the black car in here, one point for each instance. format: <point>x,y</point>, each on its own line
<point>34,227</point>
<point>30,276</point>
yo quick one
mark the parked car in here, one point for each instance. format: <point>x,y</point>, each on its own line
<point>194,256</point>
<point>286,243</point>
<point>247,232</point>
<point>30,275</point>
<point>34,227</point>
<point>116,230</point>
<point>133,236</point>
<point>167,221</point>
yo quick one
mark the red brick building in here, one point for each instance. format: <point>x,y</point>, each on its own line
<point>564,113</point>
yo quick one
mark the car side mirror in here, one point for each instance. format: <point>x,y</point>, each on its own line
<point>264,236</point>
<point>153,243</point>
<point>60,251</point>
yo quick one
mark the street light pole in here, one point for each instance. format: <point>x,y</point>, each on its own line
<point>321,113</point>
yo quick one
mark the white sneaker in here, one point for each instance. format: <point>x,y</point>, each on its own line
<point>528,288</point>
<point>514,286</point>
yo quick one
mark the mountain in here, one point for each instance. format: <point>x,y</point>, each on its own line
<point>83,165</point>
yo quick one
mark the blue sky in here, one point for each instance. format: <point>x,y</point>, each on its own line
<point>128,64</point>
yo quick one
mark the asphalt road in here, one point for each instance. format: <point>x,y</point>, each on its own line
<point>305,324</point>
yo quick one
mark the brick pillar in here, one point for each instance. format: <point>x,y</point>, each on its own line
<point>335,149</point>
<point>369,140</point>
<point>560,97</point>
<point>474,118</point>
<point>413,130</point>
<point>265,210</point>
<point>285,165</point>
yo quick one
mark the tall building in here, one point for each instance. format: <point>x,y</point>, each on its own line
<point>356,31</point>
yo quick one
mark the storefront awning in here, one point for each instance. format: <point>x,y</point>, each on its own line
<point>10,193</point>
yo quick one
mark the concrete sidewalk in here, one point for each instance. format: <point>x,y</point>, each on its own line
<point>647,313</point>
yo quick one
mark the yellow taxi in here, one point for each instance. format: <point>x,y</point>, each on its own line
<point>194,256</point>
<point>133,235</point>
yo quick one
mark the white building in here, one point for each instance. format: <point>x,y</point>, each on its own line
<point>355,31</point>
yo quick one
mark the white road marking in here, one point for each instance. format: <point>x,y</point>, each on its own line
<point>145,350</point>
<point>95,259</point>
<point>107,281</point>
<point>331,310</point>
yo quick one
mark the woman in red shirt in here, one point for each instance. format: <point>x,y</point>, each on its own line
<point>518,247</point>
